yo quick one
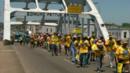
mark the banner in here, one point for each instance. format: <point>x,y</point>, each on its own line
<point>77,30</point>
<point>75,8</point>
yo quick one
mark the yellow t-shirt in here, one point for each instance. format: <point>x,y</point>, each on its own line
<point>68,41</point>
<point>76,44</point>
<point>91,41</point>
<point>110,47</point>
<point>80,42</point>
<point>58,41</point>
<point>119,52</point>
<point>94,47</point>
<point>83,50</point>
<point>54,39</point>
<point>67,44</point>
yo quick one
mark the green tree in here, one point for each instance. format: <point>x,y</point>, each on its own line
<point>126,25</point>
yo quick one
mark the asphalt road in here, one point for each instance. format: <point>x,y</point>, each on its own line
<point>38,60</point>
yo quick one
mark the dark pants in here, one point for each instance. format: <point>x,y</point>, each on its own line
<point>99,60</point>
<point>127,67</point>
<point>54,49</point>
<point>21,42</point>
<point>67,50</point>
<point>82,59</point>
<point>49,47</point>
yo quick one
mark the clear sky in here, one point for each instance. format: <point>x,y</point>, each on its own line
<point>115,11</point>
<point>112,11</point>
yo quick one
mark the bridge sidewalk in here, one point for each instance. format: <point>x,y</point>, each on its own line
<point>9,62</point>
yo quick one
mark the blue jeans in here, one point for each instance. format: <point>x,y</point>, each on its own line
<point>54,49</point>
<point>89,56</point>
<point>111,57</point>
<point>73,53</point>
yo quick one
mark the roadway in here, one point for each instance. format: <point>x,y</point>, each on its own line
<point>38,60</point>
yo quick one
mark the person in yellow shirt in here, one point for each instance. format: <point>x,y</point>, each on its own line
<point>123,54</point>
<point>119,56</point>
<point>126,57</point>
<point>76,45</point>
<point>91,53</point>
<point>94,48</point>
<point>92,40</point>
<point>54,48</point>
<point>73,50</point>
<point>100,51</point>
<point>58,43</point>
<point>83,50</point>
<point>67,44</point>
<point>110,45</point>
<point>87,45</point>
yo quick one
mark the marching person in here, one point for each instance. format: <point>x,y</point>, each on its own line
<point>126,57</point>
<point>110,45</point>
<point>83,50</point>
<point>122,55</point>
<point>67,44</point>
<point>87,46</point>
<point>73,50</point>
<point>91,54</point>
<point>54,49</point>
<point>100,51</point>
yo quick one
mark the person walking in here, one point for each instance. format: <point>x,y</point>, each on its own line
<point>83,51</point>
<point>110,45</point>
<point>67,44</point>
<point>54,49</point>
<point>100,51</point>
<point>122,55</point>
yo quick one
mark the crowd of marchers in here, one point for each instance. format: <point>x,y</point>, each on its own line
<point>83,50</point>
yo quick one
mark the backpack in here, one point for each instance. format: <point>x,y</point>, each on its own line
<point>126,54</point>
<point>100,47</point>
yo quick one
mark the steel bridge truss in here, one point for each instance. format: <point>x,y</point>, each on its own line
<point>8,10</point>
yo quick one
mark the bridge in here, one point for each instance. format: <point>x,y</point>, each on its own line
<point>67,12</point>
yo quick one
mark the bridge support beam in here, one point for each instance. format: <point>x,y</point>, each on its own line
<point>7,25</point>
<point>94,12</point>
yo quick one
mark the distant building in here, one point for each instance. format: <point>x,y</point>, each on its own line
<point>119,32</point>
<point>46,29</point>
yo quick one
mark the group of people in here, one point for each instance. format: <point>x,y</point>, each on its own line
<point>83,50</point>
